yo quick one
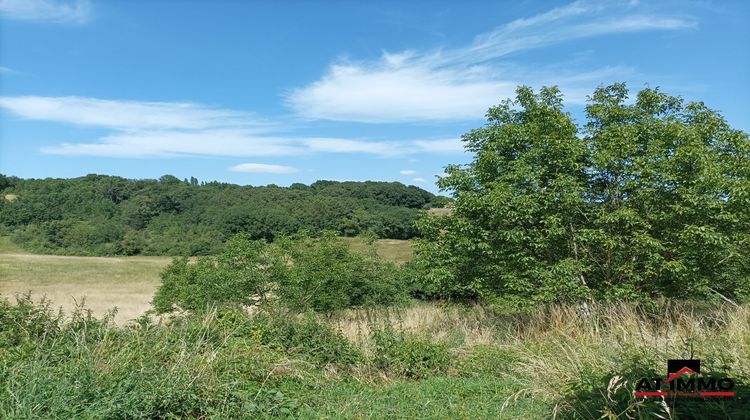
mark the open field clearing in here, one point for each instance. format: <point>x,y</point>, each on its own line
<point>441,211</point>
<point>127,283</point>
<point>124,282</point>
<point>396,250</point>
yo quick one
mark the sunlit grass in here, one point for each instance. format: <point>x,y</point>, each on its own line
<point>396,250</point>
<point>127,283</point>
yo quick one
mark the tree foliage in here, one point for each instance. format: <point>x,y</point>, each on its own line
<point>105,215</point>
<point>242,274</point>
<point>325,275</point>
<point>648,198</point>
<point>303,272</point>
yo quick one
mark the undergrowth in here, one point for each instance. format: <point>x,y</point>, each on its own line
<point>419,360</point>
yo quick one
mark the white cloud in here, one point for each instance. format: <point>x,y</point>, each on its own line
<point>154,129</point>
<point>407,172</point>
<point>383,94</point>
<point>163,129</point>
<point>461,83</point>
<point>7,70</point>
<point>263,168</point>
<point>122,114</point>
<point>71,12</point>
<point>440,146</point>
<point>337,145</point>
<point>218,142</point>
<point>238,143</point>
<point>392,148</point>
<point>419,180</point>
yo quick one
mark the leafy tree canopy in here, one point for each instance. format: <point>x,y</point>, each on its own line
<point>105,215</point>
<point>650,197</point>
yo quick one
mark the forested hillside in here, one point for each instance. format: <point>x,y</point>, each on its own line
<point>107,215</point>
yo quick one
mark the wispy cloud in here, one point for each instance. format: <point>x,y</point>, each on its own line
<point>124,115</point>
<point>147,144</point>
<point>407,172</point>
<point>67,12</point>
<point>419,180</point>
<point>7,70</point>
<point>394,148</point>
<point>461,83</point>
<point>263,168</point>
<point>164,129</point>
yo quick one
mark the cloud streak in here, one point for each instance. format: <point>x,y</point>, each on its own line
<point>169,129</point>
<point>461,83</point>
<point>263,168</point>
<point>149,144</point>
<point>65,12</point>
<point>124,115</point>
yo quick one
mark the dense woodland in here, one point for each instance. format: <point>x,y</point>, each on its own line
<point>107,215</point>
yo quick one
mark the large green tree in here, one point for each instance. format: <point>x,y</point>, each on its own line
<point>649,197</point>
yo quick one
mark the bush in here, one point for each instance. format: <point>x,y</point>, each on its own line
<point>82,367</point>
<point>240,275</point>
<point>304,273</point>
<point>407,355</point>
<point>309,338</point>
<point>325,275</point>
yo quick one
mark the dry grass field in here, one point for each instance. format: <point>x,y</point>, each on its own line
<point>127,283</point>
<point>396,250</point>
<point>442,211</point>
<point>124,282</point>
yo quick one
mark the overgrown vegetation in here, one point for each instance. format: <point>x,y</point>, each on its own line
<point>647,199</point>
<point>419,360</point>
<point>107,215</point>
<point>301,273</point>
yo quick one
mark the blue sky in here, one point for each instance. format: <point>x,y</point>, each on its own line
<point>282,92</point>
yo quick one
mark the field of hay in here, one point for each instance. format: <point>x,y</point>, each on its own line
<point>127,283</point>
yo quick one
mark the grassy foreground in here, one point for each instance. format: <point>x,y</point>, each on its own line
<point>417,361</point>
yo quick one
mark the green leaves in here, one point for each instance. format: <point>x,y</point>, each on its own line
<point>107,215</point>
<point>302,273</point>
<point>324,275</point>
<point>650,199</point>
<point>241,275</point>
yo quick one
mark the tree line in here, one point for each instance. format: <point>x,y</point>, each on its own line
<point>109,215</point>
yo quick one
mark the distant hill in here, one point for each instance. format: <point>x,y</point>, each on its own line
<point>108,215</point>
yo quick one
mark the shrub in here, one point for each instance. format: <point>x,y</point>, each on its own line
<point>407,355</point>
<point>304,273</point>
<point>325,275</point>
<point>314,340</point>
<point>240,275</point>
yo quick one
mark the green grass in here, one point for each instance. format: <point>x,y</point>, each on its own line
<point>229,364</point>
<point>437,397</point>
<point>6,245</point>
